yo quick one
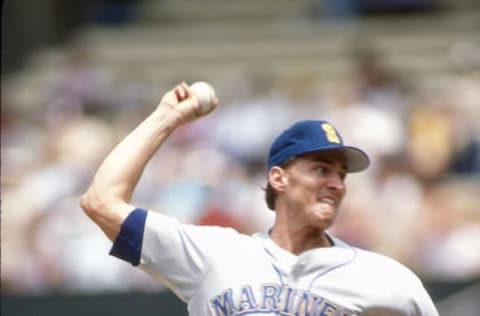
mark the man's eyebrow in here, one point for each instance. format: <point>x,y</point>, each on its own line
<point>329,162</point>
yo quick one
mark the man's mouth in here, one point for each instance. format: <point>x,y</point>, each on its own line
<point>327,200</point>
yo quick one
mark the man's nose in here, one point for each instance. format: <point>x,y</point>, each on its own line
<point>335,181</point>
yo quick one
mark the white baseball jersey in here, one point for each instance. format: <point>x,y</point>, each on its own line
<point>220,272</point>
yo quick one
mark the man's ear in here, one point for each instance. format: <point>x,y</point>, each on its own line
<point>277,178</point>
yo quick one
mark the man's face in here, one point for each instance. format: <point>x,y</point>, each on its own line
<point>315,187</point>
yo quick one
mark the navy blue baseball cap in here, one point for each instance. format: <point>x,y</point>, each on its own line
<point>313,136</point>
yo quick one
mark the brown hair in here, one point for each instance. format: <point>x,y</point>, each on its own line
<point>270,196</point>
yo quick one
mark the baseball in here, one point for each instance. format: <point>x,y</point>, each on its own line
<point>204,93</point>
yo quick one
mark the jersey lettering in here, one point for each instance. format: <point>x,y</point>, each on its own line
<point>247,299</point>
<point>282,299</point>
<point>288,301</point>
<point>223,303</point>
<point>328,310</point>
<point>307,304</point>
<point>270,297</point>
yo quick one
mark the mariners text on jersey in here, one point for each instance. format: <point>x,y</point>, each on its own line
<point>274,298</point>
<point>205,267</point>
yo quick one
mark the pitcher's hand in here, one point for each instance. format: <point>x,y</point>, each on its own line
<point>183,104</point>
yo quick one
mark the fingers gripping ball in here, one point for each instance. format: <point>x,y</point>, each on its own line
<point>205,95</point>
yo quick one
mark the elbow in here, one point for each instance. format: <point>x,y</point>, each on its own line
<point>93,207</point>
<point>92,204</point>
<point>87,203</point>
<point>102,206</point>
<point>107,212</point>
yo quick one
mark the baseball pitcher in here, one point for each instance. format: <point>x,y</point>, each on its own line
<point>295,268</point>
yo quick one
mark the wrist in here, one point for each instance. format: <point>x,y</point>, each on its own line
<point>168,120</point>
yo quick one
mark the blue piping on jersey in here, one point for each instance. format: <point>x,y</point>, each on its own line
<point>279,276</point>
<point>333,268</point>
<point>277,270</point>
<point>128,244</point>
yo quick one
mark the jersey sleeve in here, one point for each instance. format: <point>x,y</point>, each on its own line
<point>172,252</point>
<point>128,244</point>
<point>411,297</point>
<point>423,305</point>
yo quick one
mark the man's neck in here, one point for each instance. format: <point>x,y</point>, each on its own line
<point>298,240</point>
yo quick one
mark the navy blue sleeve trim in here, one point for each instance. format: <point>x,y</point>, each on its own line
<point>128,244</point>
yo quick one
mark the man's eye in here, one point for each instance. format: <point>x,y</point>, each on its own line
<point>320,170</point>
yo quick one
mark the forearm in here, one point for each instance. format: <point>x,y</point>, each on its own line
<point>107,199</point>
<point>121,170</point>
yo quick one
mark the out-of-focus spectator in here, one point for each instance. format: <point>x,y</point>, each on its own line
<point>244,129</point>
<point>379,131</point>
<point>464,96</point>
<point>431,141</point>
<point>114,12</point>
<point>449,232</point>
<point>378,83</point>
<point>79,87</point>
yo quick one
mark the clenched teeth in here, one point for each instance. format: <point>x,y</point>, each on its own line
<point>327,200</point>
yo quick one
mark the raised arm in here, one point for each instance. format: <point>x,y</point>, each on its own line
<point>107,200</point>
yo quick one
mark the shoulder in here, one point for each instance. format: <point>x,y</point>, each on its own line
<point>383,263</point>
<point>384,272</point>
<point>400,285</point>
<point>385,269</point>
<point>167,226</point>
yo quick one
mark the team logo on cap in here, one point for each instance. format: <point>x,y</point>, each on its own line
<point>331,133</point>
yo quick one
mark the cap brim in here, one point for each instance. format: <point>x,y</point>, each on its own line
<point>357,159</point>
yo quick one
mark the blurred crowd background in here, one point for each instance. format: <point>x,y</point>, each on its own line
<point>400,79</point>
